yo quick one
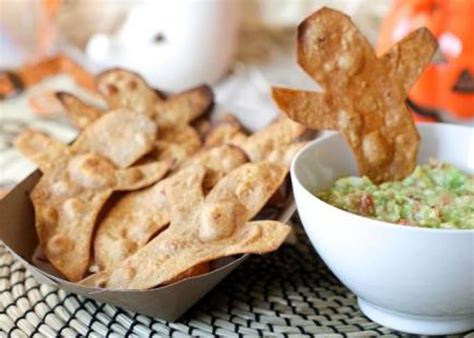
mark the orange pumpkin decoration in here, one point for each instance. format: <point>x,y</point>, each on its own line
<point>445,91</point>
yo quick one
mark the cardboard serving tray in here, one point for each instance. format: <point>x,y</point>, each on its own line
<point>18,233</point>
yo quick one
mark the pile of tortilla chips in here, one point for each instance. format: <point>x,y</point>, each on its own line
<point>152,190</point>
<point>364,95</point>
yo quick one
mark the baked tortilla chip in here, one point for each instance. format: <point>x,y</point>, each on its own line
<point>80,113</point>
<point>68,198</point>
<point>271,143</point>
<point>364,96</point>
<point>218,161</point>
<point>183,108</point>
<point>226,130</point>
<point>128,90</point>
<point>406,61</point>
<point>315,109</point>
<point>175,143</point>
<point>202,125</point>
<point>132,135</point>
<point>125,89</point>
<point>204,229</point>
<point>80,179</point>
<point>139,215</point>
<point>39,148</point>
<point>197,270</point>
<point>251,185</point>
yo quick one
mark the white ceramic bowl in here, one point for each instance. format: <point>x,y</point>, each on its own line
<point>411,279</point>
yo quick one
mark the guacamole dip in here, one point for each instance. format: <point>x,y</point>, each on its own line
<point>435,195</point>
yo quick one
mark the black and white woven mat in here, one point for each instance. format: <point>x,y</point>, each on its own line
<point>289,293</point>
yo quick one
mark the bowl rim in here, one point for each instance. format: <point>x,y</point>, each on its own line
<point>314,198</point>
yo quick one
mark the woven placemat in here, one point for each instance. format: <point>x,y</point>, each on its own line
<point>289,293</point>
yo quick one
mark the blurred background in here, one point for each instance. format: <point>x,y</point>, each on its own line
<point>240,47</point>
<point>177,44</point>
<point>173,44</point>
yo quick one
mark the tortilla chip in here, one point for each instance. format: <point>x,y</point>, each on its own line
<point>183,108</point>
<point>140,176</point>
<point>315,109</point>
<point>251,184</point>
<point>79,179</point>
<point>204,229</point>
<point>130,223</point>
<point>361,99</point>
<point>406,61</point>
<point>202,125</point>
<point>125,89</point>
<point>226,130</point>
<point>218,161</point>
<point>68,198</point>
<point>131,134</point>
<point>176,143</point>
<point>44,103</point>
<point>284,155</point>
<point>139,215</point>
<point>271,142</point>
<point>197,270</point>
<point>39,148</point>
<point>80,113</point>
<point>257,237</point>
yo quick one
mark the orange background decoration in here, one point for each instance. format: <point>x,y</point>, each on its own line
<point>447,85</point>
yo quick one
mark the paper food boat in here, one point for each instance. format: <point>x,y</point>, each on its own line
<point>18,233</point>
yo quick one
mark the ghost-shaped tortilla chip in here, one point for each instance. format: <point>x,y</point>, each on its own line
<point>204,228</point>
<point>77,182</point>
<point>364,96</point>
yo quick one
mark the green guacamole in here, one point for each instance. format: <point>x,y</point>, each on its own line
<point>435,195</point>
